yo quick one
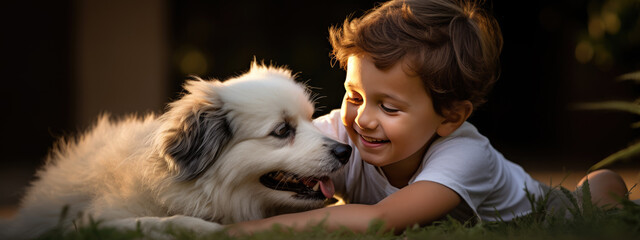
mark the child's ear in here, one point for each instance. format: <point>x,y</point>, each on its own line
<point>454,117</point>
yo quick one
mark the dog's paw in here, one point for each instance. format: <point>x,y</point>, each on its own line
<point>196,225</point>
<point>152,226</point>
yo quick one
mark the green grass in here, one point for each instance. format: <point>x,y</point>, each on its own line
<point>587,222</point>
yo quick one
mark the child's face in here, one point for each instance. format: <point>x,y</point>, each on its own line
<point>387,114</point>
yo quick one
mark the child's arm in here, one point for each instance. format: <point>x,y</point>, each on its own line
<point>421,202</point>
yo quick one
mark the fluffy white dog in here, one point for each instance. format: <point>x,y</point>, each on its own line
<point>227,151</point>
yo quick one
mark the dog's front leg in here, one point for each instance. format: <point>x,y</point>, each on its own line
<point>159,227</point>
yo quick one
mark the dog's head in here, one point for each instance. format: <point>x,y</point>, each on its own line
<point>252,136</point>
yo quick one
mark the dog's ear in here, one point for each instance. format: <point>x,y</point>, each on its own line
<point>195,130</point>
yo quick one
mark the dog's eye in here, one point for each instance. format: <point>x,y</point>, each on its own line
<point>283,130</point>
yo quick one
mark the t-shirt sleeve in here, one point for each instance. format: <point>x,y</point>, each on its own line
<point>330,124</point>
<point>462,165</point>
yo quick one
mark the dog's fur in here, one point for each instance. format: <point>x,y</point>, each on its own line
<point>199,164</point>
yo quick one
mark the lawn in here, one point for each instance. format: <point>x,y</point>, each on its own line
<point>587,221</point>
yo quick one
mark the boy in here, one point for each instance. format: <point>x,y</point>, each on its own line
<point>416,70</point>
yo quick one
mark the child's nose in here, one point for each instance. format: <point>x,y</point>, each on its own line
<point>366,117</point>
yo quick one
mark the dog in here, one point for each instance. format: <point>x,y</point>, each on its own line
<point>224,152</point>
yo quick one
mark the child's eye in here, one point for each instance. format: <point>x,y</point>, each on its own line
<point>388,109</point>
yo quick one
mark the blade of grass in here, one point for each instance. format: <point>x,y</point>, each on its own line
<point>587,205</point>
<point>634,76</point>
<point>630,151</point>
<point>629,107</point>
<point>574,209</point>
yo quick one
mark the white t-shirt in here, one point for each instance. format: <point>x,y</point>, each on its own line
<point>464,161</point>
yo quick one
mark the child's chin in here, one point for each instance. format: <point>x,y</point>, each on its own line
<point>374,158</point>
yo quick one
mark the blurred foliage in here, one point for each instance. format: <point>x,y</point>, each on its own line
<point>626,106</point>
<point>612,28</point>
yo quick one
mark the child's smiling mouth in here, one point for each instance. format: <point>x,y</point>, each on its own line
<point>372,142</point>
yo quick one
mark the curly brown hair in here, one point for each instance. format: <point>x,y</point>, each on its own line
<point>452,45</point>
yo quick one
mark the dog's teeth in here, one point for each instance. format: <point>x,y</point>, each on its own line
<point>315,188</point>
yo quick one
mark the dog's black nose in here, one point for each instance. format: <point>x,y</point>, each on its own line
<point>342,152</point>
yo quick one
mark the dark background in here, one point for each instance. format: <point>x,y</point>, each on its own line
<point>528,116</point>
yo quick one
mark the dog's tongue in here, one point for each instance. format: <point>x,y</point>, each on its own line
<point>326,186</point>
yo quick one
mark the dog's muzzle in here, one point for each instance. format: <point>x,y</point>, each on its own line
<point>318,187</point>
<point>342,152</point>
